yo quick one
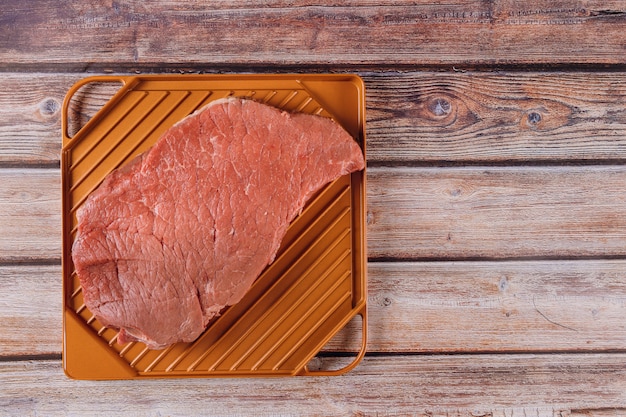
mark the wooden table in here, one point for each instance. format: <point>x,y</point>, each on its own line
<point>496,198</point>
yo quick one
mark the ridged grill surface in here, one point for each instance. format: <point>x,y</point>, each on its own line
<point>309,289</point>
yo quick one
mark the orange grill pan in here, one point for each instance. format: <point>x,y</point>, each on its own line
<point>313,289</point>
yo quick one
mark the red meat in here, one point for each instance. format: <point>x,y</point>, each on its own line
<point>183,230</point>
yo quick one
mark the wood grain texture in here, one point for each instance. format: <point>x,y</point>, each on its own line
<point>496,213</point>
<point>463,385</point>
<point>30,310</point>
<point>412,118</point>
<point>413,307</point>
<point>31,111</point>
<point>429,117</point>
<point>30,118</point>
<point>30,214</point>
<point>104,34</point>
<point>497,306</point>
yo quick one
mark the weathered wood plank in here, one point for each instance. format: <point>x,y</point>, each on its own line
<point>30,310</point>
<point>205,34</point>
<point>497,306</point>
<point>429,117</point>
<point>30,214</point>
<point>422,307</point>
<point>413,213</point>
<point>456,385</point>
<point>506,212</point>
<point>30,117</point>
<point>412,118</point>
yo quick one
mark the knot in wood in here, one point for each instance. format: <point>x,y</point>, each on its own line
<point>534,117</point>
<point>503,285</point>
<point>49,107</point>
<point>440,107</point>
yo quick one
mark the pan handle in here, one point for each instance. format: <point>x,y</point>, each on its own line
<point>126,82</point>
<point>355,361</point>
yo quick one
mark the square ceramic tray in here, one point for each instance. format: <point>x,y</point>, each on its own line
<point>313,289</point>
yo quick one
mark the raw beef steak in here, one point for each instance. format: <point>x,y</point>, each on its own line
<point>183,230</point>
